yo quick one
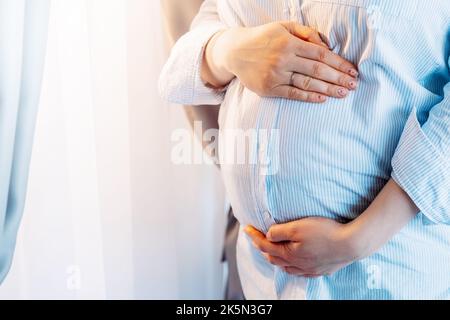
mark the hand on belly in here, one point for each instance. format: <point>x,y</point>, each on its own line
<point>309,247</point>
<point>314,247</point>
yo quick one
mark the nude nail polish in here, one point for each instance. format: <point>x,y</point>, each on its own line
<point>353,73</point>
<point>352,84</point>
<point>342,92</point>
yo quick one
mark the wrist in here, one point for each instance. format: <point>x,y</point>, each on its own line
<point>227,47</point>
<point>216,71</point>
<point>354,241</point>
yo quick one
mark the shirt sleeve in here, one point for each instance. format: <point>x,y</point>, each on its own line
<point>421,163</point>
<point>180,80</point>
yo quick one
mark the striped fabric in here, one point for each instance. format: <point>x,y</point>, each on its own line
<point>333,159</point>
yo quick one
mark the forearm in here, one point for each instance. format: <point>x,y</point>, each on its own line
<point>391,210</point>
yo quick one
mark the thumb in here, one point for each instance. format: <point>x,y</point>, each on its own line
<point>305,33</point>
<point>281,232</point>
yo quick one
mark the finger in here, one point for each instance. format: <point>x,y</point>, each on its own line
<point>320,54</point>
<point>310,84</point>
<point>277,261</point>
<point>304,33</point>
<point>324,72</point>
<point>283,232</point>
<point>262,244</point>
<point>253,232</point>
<point>294,93</point>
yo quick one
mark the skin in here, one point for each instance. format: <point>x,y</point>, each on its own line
<point>314,247</point>
<point>281,59</point>
<point>287,60</point>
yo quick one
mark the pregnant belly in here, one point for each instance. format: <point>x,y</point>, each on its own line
<point>328,160</point>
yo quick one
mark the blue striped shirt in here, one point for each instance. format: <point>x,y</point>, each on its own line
<point>335,157</point>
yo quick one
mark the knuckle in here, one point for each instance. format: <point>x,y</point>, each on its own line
<point>316,70</point>
<point>267,80</point>
<point>306,83</point>
<point>322,55</point>
<point>284,43</point>
<point>292,93</point>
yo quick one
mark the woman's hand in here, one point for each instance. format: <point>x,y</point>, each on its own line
<point>281,59</point>
<point>310,247</point>
<point>313,247</point>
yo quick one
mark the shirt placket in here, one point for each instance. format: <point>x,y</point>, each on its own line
<point>266,215</point>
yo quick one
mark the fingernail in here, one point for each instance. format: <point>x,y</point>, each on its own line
<point>352,84</point>
<point>321,98</point>
<point>353,73</point>
<point>342,92</point>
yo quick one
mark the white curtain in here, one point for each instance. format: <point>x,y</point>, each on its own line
<point>108,215</point>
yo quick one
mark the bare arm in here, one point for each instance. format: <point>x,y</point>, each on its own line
<point>334,245</point>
